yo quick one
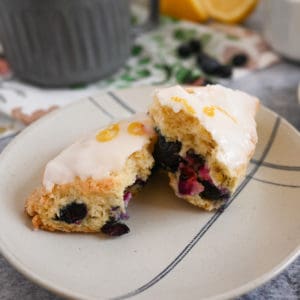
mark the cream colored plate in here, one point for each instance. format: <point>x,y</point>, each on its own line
<point>174,250</point>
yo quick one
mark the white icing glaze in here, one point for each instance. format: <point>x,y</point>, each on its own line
<point>91,158</point>
<point>234,131</point>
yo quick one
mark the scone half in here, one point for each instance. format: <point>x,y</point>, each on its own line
<point>206,137</point>
<point>88,186</point>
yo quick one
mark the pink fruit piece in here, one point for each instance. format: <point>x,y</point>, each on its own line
<point>194,160</point>
<point>190,187</point>
<point>204,174</point>
<point>188,183</point>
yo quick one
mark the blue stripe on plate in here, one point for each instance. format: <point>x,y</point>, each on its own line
<point>9,136</point>
<point>121,102</point>
<point>277,166</point>
<point>92,100</point>
<point>276,183</point>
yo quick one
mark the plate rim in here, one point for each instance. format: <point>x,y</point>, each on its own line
<point>61,291</point>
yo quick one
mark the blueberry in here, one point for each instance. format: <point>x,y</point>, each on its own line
<point>224,71</point>
<point>188,183</point>
<point>239,60</point>
<point>208,64</point>
<point>113,228</point>
<point>211,192</point>
<point>72,213</point>
<point>196,160</point>
<point>195,45</point>
<point>184,51</point>
<point>166,154</point>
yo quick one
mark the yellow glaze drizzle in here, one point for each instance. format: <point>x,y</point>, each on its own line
<point>190,91</point>
<point>108,134</point>
<point>189,108</point>
<point>210,111</point>
<point>136,128</point>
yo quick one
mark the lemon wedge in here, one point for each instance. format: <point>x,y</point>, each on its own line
<point>192,10</point>
<point>229,11</point>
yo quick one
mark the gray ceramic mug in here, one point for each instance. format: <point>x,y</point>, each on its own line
<point>64,42</point>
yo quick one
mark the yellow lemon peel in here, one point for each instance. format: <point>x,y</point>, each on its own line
<point>210,112</point>
<point>108,134</point>
<point>229,11</point>
<point>192,10</point>
<point>190,91</point>
<point>136,128</point>
<point>188,107</point>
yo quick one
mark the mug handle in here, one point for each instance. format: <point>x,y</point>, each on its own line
<point>152,21</point>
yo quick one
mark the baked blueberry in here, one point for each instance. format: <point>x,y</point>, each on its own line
<point>224,71</point>
<point>166,154</point>
<point>208,64</point>
<point>184,51</point>
<point>195,45</point>
<point>72,213</point>
<point>113,228</point>
<point>211,192</point>
<point>239,60</point>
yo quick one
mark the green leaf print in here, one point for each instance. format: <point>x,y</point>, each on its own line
<point>144,61</point>
<point>205,39</point>
<point>134,20</point>
<point>232,37</point>
<point>184,34</point>
<point>167,71</point>
<point>168,20</point>
<point>183,75</point>
<point>136,50</point>
<point>143,73</point>
<point>178,34</point>
<point>158,39</point>
<point>127,77</point>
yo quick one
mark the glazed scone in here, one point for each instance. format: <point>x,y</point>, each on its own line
<point>87,187</point>
<point>207,136</point>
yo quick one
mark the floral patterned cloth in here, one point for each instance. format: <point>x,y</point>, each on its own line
<point>153,61</point>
